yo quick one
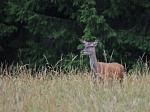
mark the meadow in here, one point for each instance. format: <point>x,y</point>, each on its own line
<point>73,91</point>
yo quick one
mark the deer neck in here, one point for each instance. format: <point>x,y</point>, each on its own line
<point>93,62</point>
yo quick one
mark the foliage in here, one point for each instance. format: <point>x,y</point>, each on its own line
<point>53,28</point>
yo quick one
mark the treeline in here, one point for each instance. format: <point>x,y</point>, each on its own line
<point>48,31</point>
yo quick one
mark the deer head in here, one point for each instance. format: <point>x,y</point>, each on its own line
<point>89,47</point>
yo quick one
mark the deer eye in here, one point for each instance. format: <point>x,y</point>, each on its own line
<point>89,47</point>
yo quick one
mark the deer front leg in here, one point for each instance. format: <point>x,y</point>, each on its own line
<point>97,78</point>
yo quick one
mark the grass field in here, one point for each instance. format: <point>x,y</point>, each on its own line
<point>72,92</point>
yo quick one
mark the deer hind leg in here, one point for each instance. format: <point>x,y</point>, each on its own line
<point>121,81</point>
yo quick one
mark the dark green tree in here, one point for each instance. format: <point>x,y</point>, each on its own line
<point>34,29</point>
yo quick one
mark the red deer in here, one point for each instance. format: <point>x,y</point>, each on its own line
<point>103,70</point>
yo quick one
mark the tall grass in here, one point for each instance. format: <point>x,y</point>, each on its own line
<point>56,91</point>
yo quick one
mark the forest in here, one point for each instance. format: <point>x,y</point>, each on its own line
<point>42,68</point>
<point>48,31</point>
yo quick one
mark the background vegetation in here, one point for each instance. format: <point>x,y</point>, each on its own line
<point>41,31</point>
<point>47,32</point>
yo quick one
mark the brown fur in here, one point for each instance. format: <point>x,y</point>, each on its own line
<point>110,70</point>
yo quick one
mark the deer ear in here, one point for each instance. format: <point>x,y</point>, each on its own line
<point>95,43</point>
<point>83,41</point>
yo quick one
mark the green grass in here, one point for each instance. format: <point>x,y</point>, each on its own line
<point>72,92</point>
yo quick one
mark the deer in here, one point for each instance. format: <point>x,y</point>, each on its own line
<point>102,70</point>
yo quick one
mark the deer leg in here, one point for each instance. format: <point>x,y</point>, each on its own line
<point>97,78</point>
